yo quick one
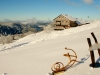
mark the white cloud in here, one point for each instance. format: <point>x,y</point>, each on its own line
<point>88,1</point>
<point>7,20</point>
<point>35,21</point>
<point>72,3</point>
<point>30,21</point>
<point>98,7</point>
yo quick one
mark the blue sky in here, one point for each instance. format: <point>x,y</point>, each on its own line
<point>48,9</point>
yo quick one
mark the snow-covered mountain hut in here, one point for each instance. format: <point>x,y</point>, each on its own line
<point>64,21</point>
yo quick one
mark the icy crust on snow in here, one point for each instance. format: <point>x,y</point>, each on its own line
<point>94,47</point>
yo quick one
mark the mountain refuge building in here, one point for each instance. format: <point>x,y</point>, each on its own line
<point>64,21</point>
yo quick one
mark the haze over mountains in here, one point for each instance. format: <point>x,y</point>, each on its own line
<point>12,28</point>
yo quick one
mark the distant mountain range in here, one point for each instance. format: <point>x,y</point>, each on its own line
<point>12,28</point>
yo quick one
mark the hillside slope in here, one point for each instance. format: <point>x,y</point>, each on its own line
<point>36,53</point>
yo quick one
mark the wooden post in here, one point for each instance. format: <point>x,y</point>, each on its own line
<point>99,52</point>
<point>95,39</point>
<point>91,52</point>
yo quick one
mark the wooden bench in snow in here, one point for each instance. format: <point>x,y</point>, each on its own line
<point>93,47</point>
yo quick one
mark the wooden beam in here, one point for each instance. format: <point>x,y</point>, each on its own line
<point>95,39</point>
<point>91,53</point>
